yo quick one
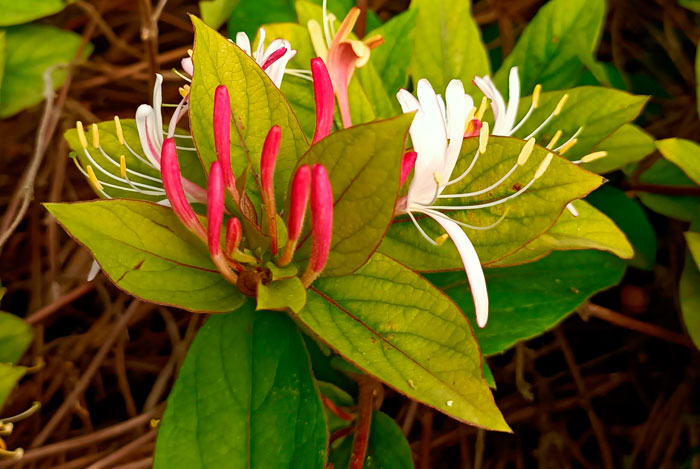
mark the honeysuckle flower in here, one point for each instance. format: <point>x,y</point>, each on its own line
<point>437,133</point>
<point>273,59</point>
<point>407,163</point>
<point>271,148</point>
<point>341,54</point>
<point>321,223</point>
<point>234,234</point>
<point>216,198</point>
<point>323,96</point>
<point>222,138</point>
<point>298,200</point>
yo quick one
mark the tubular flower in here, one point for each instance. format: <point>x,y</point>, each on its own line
<point>321,223</point>
<point>341,54</point>
<point>216,196</point>
<point>273,59</point>
<point>222,138</point>
<point>437,133</point>
<point>323,96</point>
<point>267,183</point>
<point>298,200</point>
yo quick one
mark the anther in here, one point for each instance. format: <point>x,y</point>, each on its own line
<point>560,104</point>
<point>526,152</point>
<point>120,132</point>
<point>482,108</point>
<point>437,177</point>
<point>567,146</point>
<point>554,140</point>
<point>122,166</point>
<point>594,156</point>
<point>483,137</point>
<point>95,136</point>
<point>536,95</point>
<point>93,178</point>
<point>543,166</point>
<point>81,134</point>
<point>441,239</point>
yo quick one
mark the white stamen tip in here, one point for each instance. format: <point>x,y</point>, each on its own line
<point>594,156</point>
<point>483,137</point>
<point>543,166</point>
<point>526,152</point>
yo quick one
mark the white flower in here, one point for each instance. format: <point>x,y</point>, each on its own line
<point>273,59</point>
<point>437,133</point>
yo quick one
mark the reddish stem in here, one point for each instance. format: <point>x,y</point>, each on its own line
<point>364,422</point>
<point>337,410</point>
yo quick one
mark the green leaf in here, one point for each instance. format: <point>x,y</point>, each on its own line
<point>256,105</point>
<point>392,58</point>
<point>522,219</point>
<point>363,164</point>
<point>684,154</point>
<point>249,15</point>
<point>9,375</point>
<point>447,44</point>
<point>629,216</point>
<point>591,229</point>
<point>387,447</point>
<point>145,250</point>
<point>600,111</point>
<point>282,294</point>
<point>665,173</point>
<point>689,288</point>
<point>30,50</point>
<point>15,337</point>
<point>527,300</point>
<point>3,54</point>
<point>216,12</point>
<point>548,50</point>
<point>14,12</point>
<point>626,145</point>
<point>245,397</point>
<point>109,161</point>
<point>697,65</point>
<point>693,5</point>
<point>393,324</point>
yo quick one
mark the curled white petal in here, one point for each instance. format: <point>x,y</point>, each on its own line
<point>146,126</point>
<point>243,42</point>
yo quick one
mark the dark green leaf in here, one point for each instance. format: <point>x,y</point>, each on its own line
<point>520,309</point>
<point>145,250</point>
<point>665,173</point>
<point>14,12</point>
<point>15,337</point>
<point>245,397</point>
<point>9,375</point>
<point>396,326</point>
<point>689,289</point>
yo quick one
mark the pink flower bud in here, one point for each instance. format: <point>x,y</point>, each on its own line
<point>172,183</point>
<point>222,137</point>
<point>276,55</point>
<point>215,208</point>
<point>267,172</point>
<point>187,65</point>
<point>407,164</point>
<point>323,95</point>
<point>233,235</point>
<point>299,199</point>
<point>321,218</point>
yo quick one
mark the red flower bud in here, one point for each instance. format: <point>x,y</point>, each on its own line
<point>172,183</point>
<point>321,222</point>
<point>233,235</point>
<point>407,164</point>
<point>215,208</point>
<point>267,172</point>
<point>323,95</point>
<point>222,137</point>
<point>299,199</point>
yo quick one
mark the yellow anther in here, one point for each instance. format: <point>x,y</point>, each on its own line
<point>536,95</point>
<point>441,239</point>
<point>120,132</point>
<point>554,140</point>
<point>437,177</point>
<point>93,178</point>
<point>483,137</point>
<point>184,90</point>
<point>154,423</point>
<point>567,146</point>
<point>95,136</point>
<point>594,156</point>
<point>81,134</point>
<point>317,40</point>
<point>482,108</point>
<point>560,104</point>
<point>122,165</point>
<point>526,151</point>
<point>470,117</point>
<point>543,165</point>
<point>189,52</point>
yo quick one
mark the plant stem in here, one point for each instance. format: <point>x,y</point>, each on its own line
<point>368,391</point>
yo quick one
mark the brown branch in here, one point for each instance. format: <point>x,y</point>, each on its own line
<point>693,191</point>
<point>124,451</point>
<point>59,303</point>
<point>636,325</point>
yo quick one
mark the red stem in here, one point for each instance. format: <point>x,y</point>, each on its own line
<point>364,422</point>
<point>337,410</point>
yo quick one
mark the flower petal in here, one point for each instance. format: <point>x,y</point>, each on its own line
<point>513,100</point>
<point>243,42</point>
<point>472,265</point>
<point>157,108</point>
<point>456,123</point>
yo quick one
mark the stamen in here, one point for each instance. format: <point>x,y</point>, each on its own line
<point>95,136</point>
<point>437,177</point>
<point>81,134</point>
<point>592,157</point>
<point>560,105</point>
<point>326,32</point>
<point>549,118</point>
<point>483,137</point>
<point>567,146</point>
<point>470,116</point>
<point>189,52</point>
<point>420,230</point>
<point>536,95</point>
<point>554,140</point>
<point>179,74</point>
<point>120,132</point>
<point>467,225</point>
<point>526,152</point>
<point>122,166</point>
<point>533,105</point>
<point>184,91</point>
<point>466,171</point>
<point>441,239</point>
<point>543,165</point>
<point>135,173</point>
<point>482,109</point>
<point>298,74</point>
